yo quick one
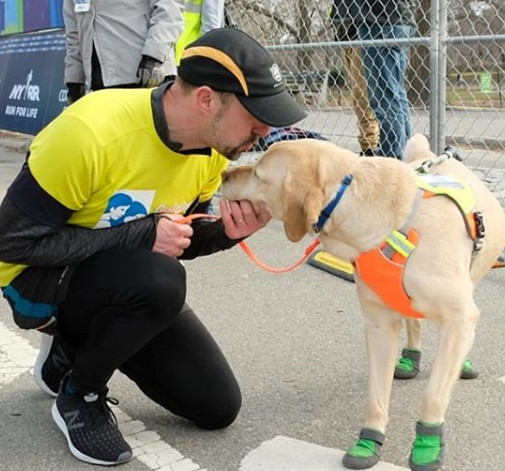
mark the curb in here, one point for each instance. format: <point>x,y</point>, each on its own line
<point>15,142</point>
<point>483,143</point>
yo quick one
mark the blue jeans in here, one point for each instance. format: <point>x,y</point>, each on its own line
<point>385,68</point>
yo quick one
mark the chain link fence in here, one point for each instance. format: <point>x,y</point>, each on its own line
<point>454,79</point>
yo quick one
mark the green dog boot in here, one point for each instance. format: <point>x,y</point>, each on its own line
<point>427,452</point>
<point>468,371</point>
<point>367,450</point>
<point>408,364</point>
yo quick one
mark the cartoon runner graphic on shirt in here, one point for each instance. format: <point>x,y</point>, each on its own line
<point>125,206</point>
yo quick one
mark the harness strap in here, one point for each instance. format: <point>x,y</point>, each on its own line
<point>459,192</point>
<point>399,243</point>
<point>397,239</point>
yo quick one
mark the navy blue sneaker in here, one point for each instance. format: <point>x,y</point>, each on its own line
<point>90,427</point>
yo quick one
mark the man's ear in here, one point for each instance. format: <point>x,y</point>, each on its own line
<point>206,99</point>
<point>301,208</point>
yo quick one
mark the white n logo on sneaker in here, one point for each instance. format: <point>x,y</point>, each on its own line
<point>71,420</point>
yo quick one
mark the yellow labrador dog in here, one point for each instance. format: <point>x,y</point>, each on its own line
<point>365,206</point>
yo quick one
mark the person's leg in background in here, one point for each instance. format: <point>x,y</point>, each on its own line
<point>385,69</point>
<point>405,104</point>
<point>368,126</point>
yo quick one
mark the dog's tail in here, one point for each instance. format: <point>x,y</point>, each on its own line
<point>417,148</point>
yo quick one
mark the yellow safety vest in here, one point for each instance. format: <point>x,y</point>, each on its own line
<point>192,27</point>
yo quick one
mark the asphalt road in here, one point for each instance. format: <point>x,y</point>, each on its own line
<point>296,344</point>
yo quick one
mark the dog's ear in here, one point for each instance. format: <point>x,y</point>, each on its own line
<point>302,206</point>
<point>417,147</point>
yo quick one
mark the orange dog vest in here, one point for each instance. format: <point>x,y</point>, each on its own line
<point>382,268</point>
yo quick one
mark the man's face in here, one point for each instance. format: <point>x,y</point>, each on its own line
<point>234,130</point>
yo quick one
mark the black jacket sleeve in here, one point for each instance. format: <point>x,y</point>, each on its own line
<point>25,241</point>
<point>208,238</point>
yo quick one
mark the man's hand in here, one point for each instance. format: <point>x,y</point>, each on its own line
<point>150,72</point>
<point>240,218</point>
<point>172,238</point>
<point>75,91</point>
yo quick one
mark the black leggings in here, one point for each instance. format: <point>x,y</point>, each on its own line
<point>125,310</point>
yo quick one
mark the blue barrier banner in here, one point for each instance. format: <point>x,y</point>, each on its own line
<point>32,92</point>
<point>23,16</point>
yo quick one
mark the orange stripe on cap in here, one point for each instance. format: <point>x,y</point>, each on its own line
<point>220,57</point>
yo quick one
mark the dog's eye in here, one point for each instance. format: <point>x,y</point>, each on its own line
<point>255,174</point>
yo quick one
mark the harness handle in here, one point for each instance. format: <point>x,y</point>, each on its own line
<point>448,153</point>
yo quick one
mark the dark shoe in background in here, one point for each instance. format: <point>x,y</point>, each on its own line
<point>52,365</point>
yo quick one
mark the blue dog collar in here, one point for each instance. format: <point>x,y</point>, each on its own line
<point>330,207</point>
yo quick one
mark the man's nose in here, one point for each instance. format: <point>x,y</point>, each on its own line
<point>262,130</point>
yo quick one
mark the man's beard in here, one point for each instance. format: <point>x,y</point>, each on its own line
<point>234,153</point>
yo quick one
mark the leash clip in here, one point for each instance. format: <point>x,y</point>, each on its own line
<point>480,230</point>
<point>425,167</point>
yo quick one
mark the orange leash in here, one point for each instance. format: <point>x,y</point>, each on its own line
<point>306,253</point>
<point>249,252</point>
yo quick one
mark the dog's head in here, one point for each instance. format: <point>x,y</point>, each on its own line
<point>289,180</point>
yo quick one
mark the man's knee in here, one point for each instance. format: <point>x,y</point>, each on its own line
<point>220,414</point>
<point>165,288</point>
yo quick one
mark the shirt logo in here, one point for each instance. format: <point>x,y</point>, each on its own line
<point>125,206</point>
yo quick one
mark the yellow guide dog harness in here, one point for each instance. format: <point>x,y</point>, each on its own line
<point>382,268</point>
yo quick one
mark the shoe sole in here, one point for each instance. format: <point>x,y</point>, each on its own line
<point>353,462</point>
<point>78,454</point>
<point>428,467</point>
<point>402,374</point>
<point>469,374</point>
<point>45,348</point>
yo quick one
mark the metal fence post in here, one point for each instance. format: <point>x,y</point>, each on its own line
<point>438,66</point>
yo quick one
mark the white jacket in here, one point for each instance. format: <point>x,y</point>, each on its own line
<point>122,32</point>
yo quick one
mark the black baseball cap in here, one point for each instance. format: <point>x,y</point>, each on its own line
<point>229,60</point>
